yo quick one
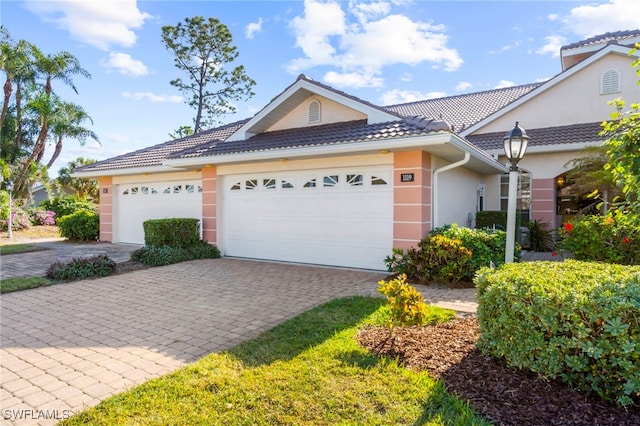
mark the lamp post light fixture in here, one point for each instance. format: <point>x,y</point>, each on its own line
<point>9,187</point>
<point>515,145</point>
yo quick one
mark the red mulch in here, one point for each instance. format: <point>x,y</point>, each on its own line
<point>502,395</point>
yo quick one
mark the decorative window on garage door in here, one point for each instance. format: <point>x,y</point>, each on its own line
<point>325,181</point>
<point>148,190</point>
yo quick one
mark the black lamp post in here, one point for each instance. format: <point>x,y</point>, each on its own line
<point>9,186</point>
<point>515,145</point>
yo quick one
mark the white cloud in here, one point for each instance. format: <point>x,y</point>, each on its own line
<point>99,23</point>
<point>552,46</point>
<point>594,19</point>
<point>366,38</point>
<point>553,17</point>
<point>463,85</point>
<point>396,96</point>
<point>353,80</point>
<point>119,138</point>
<point>125,64</point>
<point>504,83</point>
<point>152,97</point>
<point>252,28</point>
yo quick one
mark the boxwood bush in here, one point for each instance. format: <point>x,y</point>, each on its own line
<point>173,232</point>
<point>575,321</point>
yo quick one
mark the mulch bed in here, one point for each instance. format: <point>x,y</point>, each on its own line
<point>502,395</point>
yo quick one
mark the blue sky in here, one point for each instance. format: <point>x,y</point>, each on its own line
<point>384,52</point>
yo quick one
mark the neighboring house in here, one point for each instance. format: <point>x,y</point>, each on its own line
<point>319,176</point>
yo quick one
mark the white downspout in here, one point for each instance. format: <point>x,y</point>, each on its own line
<point>434,186</point>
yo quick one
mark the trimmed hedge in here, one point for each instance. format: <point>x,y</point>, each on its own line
<point>172,232</point>
<point>575,321</point>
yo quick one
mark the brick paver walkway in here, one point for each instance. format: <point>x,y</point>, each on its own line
<point>68,346</point>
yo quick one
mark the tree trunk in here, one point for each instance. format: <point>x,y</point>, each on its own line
<point>56,153</point>
<point>38,150</point>
<point>8,86</point>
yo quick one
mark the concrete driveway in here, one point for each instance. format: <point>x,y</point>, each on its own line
<point>68,346</point>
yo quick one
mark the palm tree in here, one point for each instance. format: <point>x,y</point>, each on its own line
<point>67,122</point>
<point>60,66</point>
<point>84,188</point>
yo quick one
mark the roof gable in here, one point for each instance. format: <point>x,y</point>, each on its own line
<point>547,86</point>
<point>299,92</point>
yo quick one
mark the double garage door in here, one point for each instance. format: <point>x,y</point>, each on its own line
<point>339,217</point>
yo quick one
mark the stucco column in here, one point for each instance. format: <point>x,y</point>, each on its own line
<point>411,197</point>
<point>543,202</point>
<point>209,204</point>
<point>105,185</point>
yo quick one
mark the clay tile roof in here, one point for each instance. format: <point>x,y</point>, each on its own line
<point>155,155</point>
<point>575,133</point>
<point>462,111</point>
<point>617,36</point>
<point>327,134</point>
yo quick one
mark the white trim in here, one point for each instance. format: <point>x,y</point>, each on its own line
<point>611,49</point>
<point>549,149</point>
<point>123,171</point>
<point>374,115</point>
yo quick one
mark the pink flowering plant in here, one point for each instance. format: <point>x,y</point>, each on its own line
<point>612,238</point>
<point>43,217</point>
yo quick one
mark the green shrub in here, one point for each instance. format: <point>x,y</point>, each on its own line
<point>613,238</point>
<point>450,254</point>
<point>538,237</point>
<point>407,306</point>
<point>489,218</point>
<point>173,232</point>
<point>575,321</point>
<point>81,268</point>
<point>487,246</point>
<point>166,255</point>
<point>82,225</point>
<point>63,206</point>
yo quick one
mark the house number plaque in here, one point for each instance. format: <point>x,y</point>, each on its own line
<point>406,177</point>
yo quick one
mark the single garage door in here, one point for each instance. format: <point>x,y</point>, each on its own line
<point>136,203</point>
<point>339,217</point>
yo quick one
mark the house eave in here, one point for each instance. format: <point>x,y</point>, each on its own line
<point>550,149</point>
<point>444,145</point>
<point>123,171</point>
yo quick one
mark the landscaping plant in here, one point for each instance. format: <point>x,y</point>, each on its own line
<point>574,321</point>
<point>167,255</point>
<point>81,268</point>
<point>82,225</point>
<point>613,238</point>
<point>538,237</point>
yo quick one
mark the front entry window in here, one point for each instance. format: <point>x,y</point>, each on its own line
<point>523,205</point>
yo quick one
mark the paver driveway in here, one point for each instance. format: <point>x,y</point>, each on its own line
<point>68,346</point>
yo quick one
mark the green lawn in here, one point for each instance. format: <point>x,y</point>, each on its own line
<point>22,283</point>
<point>309,370</point>
<point>19,248</point>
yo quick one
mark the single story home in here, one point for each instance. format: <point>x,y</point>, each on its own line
<point>319,176</point>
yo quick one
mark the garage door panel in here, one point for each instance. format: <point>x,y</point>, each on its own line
<point>343,220</point>
<point>136,203</point>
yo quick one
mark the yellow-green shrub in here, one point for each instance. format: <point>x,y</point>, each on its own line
<point>574,321</point>
<point>407,306</point>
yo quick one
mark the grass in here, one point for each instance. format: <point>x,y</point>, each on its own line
<point>309,370</point>
<point>20,248</point>
<point>22,283</point>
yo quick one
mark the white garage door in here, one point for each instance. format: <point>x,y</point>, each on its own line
<point>340,217</point>
<point>136,203</point>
